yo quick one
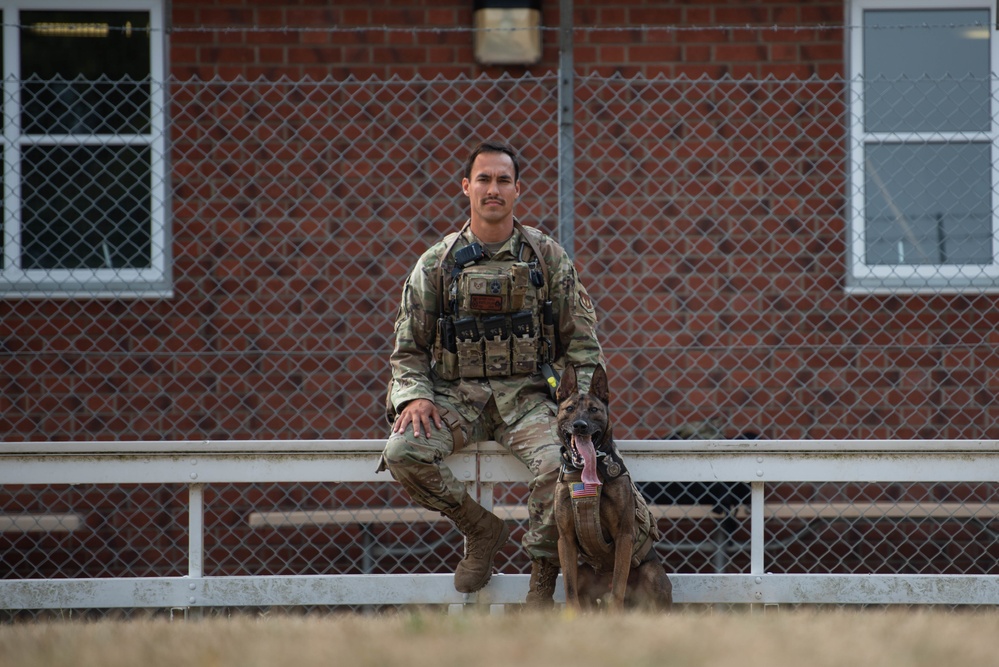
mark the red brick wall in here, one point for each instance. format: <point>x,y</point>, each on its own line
<point>355,44</point>
<point>247,235</point>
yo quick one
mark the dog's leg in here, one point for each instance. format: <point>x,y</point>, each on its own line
<point>624,543</point>
<point>568,550</point>
<point>622,568</point>
<point>651,589</point>
<point>568,556</point>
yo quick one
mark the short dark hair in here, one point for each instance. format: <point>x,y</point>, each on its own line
<point>493,147</point>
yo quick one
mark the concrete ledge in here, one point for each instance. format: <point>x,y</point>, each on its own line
<point>393,589</point>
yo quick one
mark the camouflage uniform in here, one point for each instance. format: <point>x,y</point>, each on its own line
<point>515,410</point>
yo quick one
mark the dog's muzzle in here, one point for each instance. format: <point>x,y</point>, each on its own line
<point>582,453</point>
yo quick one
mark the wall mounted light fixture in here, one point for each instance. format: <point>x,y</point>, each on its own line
<point>507,32</point>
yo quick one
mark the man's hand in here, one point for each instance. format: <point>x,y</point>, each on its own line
<point>419,412</point>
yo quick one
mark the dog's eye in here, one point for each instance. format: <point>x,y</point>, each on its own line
<point>594,408</point>
<point>570,408</point>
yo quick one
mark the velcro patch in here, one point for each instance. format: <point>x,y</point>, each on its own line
<point>486,303</point>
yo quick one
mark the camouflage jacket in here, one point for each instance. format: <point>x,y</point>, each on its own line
<point>413,375</point>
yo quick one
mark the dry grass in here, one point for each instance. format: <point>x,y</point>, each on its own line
<point>806,639</point>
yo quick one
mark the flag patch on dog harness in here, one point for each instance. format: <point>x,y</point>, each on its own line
<point>582,490</point>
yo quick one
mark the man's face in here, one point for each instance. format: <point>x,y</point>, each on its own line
<point>491,189</point>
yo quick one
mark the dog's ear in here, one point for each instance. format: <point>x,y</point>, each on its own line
<point>567,384</point>
<point>598,385</point>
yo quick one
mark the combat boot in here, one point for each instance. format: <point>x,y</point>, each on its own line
<point>542,589</point>
<point>485,534</point>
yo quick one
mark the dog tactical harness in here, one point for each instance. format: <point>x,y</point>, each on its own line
<point>594,548</point>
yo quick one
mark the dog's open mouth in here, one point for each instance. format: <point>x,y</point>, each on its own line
<point>584,455</point>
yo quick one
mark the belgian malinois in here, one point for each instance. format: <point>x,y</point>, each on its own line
<point>602,518</point>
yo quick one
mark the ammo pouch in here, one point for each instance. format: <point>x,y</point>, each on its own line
<point>524,355</point>
<point>471,359</point>
<point>497,346</point>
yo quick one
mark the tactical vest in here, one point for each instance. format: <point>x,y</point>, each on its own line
<point>492,320</point>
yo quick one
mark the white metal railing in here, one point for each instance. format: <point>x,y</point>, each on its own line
<point>759,463</point>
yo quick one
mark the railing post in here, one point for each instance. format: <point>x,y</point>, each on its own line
<point>756,543</point>
<point>196,543</point>
<point>757,548</point>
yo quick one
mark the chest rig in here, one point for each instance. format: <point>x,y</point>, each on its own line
<point>494,316</point>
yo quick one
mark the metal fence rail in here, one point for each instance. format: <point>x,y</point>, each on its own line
<point>96,526</point>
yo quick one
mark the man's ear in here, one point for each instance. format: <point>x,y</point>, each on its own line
<point>464,186</point>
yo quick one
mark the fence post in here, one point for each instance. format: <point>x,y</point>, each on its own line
<point>757,545</point>
<point>566,158</point>
<point>196,541</point>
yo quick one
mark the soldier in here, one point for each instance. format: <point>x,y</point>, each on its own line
<point>487,317</point>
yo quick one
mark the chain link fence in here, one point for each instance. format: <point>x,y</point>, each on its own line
<point>712,229</point>
<point>302,529</point>
<point>713,224</point>
<point>293,529</point>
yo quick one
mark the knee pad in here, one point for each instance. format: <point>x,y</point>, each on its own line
<point>397,450</point>
<point>402,449</point>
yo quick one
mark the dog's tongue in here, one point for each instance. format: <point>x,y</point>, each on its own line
<point>584,445</point>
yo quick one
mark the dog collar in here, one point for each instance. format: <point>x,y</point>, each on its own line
<point>609,464</point>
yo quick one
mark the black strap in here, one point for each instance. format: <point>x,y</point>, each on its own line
<point>442,308</point>
<point>537,253</point>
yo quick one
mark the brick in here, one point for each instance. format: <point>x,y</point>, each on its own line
<point>740,16</point>
<point>743,55</point>
<point>654,16</point>
<point>653,53</point>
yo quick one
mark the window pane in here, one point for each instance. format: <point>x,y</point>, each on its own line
<point>85,72</point>
<point>926,79</point>
<point>86,207</point>
<point>928,204</point>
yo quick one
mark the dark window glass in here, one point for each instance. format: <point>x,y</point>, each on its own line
<point>85,72</point>
<point>86,207</point>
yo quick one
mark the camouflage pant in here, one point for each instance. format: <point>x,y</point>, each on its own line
<point>417,464</point>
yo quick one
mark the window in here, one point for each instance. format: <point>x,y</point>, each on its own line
<point>84,173</point>
<point>923,146</point>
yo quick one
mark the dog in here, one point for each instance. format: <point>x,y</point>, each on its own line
<point>602,518</point>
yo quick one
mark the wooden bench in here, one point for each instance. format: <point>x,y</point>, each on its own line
<point>383,515</point>
<point>719,546</point>
<point>876,510</point>
<point>40,523</point>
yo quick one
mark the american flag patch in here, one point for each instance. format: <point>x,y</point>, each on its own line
<point>581,490</point>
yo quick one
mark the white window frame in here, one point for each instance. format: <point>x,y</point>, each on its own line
<point>863,278</point>
<point>151,282</point>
